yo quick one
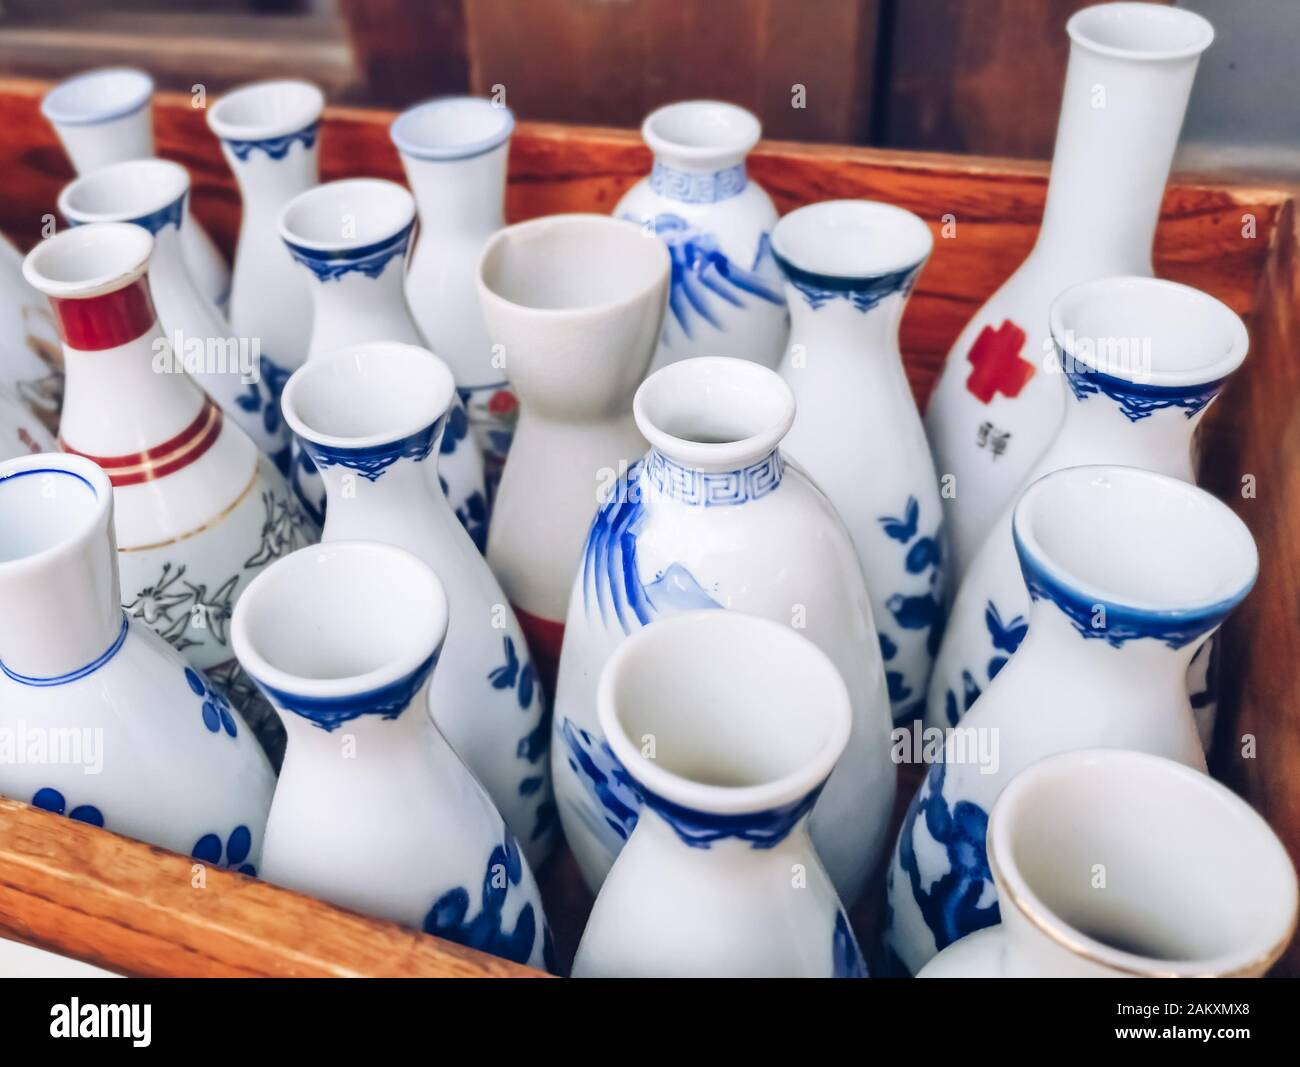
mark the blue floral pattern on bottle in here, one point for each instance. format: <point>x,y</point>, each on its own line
<point>449,916</point>
<point>215,708</point>
<point>520,675</point>
<point>263,397</point>
<point>1005,637</point>
<point>231,855</point>
<point>846,957</point>
<point>951,906</point>
<point>50,799</point>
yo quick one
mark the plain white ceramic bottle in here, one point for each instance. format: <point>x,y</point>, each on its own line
<point>103,117</point>
<point>1139,362</point>
<point>726,297</point>
<point>198,509</point>
<point>996,404</point>
<point>727,726</point>
<point>371,418</point>
<point>454,152</point>
<point>849,267</point>
<point>1193,883</point>
<point>1129,571</point>
<point>268,133</point>
<point>106,723</point>
<point>152,193</point>
<point>373,810</point>
<point>575,302</point>
<point>352,238</point>
<point>715,517</point>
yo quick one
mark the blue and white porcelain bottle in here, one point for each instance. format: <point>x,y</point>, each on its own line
<point>104,721</point>
<point>1141,361</point>
<point>1128,572</point>
<point>849,268</point>
<point>726,297</point>
<point>351,240</point>
<point>269,136</point>
<point>373,810</point>
<point>726,727</point>
<point>454,153</point>
<point>103,117</point>
<point>152,193</point>
<point>715,517</point>
<point>371,418</point>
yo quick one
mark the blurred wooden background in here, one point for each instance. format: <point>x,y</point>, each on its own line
<point>979,76</point>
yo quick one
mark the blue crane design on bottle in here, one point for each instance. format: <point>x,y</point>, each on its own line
<point>702,275</point>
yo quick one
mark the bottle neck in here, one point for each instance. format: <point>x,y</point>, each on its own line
<point>462,197</point>
<point>1115,142</point>
<point>359,298</point>
<point>834,324</point>
<point>666,479</point>
<point>271,172</point>
<point>699,181</point>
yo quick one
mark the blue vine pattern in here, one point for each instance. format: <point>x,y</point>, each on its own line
<point>696,188</point>
<point>518,674</point>
<point>50,799</point>
<point>448,918</point>
<point>274,147</point>
<point>1137,400</point>
<point>863,293</point>
<point>369,260</point>
<point>950,907</point>
<point>232,855</point>
<point>699,268</point>
<point>372,461</point>
<point>610,575</point>
<point>217,715</point>
<point>846,957</point>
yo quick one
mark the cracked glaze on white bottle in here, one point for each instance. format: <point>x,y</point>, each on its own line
<point>850,266</point>
<point>371,417</point>
<point>1139,360</point>
<point>103,721</point>
<point>152,193</point>
<point>1129,572</point>
<point>719,878</point>
<point>373,810</point>
<point>726,297</point>
<point>351,238</point>
<point>996,405</point>
<point>454,152</point>
<point>102,117</point>
<point>1196,884</point>
<point>715,517</point>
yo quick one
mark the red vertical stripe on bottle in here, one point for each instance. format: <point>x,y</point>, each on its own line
<point>105,321</point>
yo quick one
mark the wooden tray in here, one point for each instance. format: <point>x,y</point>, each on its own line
<point>134,909</point>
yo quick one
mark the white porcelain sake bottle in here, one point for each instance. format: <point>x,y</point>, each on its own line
<point>31,362</point>
<point>103,117</point>
<point>101,720</point>
<point>351,240</point>
<point>996,405</point>
<point>719,877</point>
<point>1194,883</point>
<point>715,517</point>
<point>373,810</point>
<point>152,193</point>
<point>454,152</point>
<point>575,302</point>
<point>268,133</point>
<point>1129,571</point>
<point>726,297</point>
<point>1140,360</point>
<point>370,417</point>
<point>198,509</point>
<point>849,267</point>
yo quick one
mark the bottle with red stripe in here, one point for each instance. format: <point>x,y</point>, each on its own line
<point>199,509</point>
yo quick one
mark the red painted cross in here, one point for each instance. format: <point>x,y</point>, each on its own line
<point>998,368</point>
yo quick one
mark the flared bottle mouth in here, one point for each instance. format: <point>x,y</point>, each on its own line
<point>1196,884</point>
<point>97,96</point>
<point>1140,32</point>
<point>90,260</point>
<point>451,128</point>
<point>266,110</point>
<point>758,725</point>
<point>338,630</point>
<point>582,265</point>
<point>348,216</point>
<point>701,134</point>
<point>50,503</point>
<point>368,398</point>
<point>146,192</point>
<point>714,413</point>
<point>850,240</point>
<point>1127,553</point>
